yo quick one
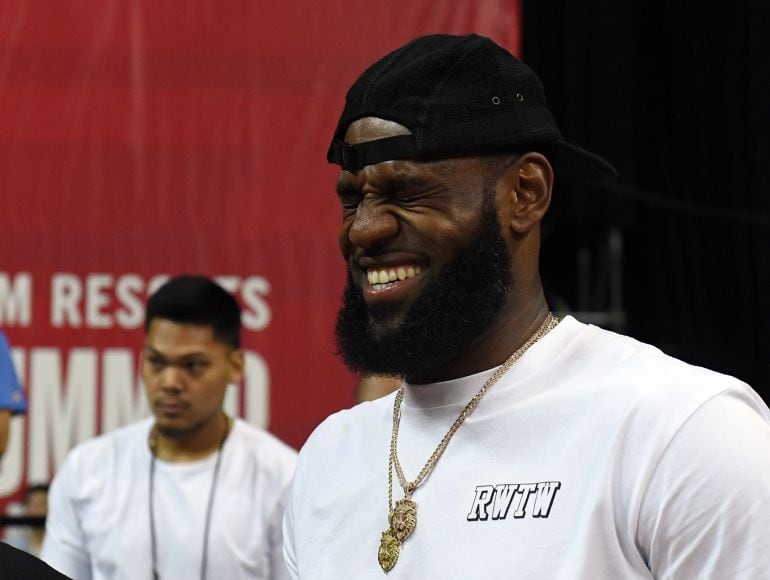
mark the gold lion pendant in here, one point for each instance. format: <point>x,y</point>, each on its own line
<point>403,520</point>
<point>387,555</point>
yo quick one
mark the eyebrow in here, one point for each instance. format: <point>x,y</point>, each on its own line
<point>151,351</point>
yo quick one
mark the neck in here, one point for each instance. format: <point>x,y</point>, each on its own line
<point>190,446</point>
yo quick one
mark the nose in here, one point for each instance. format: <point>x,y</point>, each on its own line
<point>374,223</point>
<point>170,378</point>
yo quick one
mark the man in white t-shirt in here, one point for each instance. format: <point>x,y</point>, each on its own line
<point>190,492</point>
<point>519,446</point>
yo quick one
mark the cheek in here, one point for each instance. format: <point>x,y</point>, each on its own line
<point>343,239</point>
<point>214,386</point>
<point>147,379</point>
<point>448,236</point>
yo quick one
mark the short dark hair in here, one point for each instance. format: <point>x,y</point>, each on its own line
<point>197,300</point>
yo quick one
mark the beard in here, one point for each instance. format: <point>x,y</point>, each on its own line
<point>452,311</point>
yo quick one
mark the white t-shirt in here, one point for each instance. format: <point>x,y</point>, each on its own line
<point>595,457</point>
<point>98,523</point>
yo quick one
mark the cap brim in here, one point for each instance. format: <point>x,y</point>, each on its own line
<point>572,162</point>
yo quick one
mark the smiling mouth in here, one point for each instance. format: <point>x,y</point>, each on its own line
<point>382,278</point>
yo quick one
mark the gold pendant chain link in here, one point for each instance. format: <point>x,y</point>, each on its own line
<point>409,486</point>
<point>406,508</point>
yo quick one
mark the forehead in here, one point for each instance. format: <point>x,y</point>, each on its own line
<point>174,339</point>
<point>372,128</point>
<point>401,171</point>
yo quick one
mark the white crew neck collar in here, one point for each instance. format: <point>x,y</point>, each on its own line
<point>196,465</point>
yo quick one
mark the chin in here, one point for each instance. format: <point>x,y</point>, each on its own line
<point>171,429</point>
<point>384,319</point>
<point>381,329</point>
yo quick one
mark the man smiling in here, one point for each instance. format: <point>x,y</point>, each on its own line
<point>443,283</point>
<point>519,446</point>
<point>190,492</point>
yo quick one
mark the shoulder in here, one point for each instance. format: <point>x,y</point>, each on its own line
<point>340,453</point>
<point>633,390</point>
<point>347,434</point>
<point>628,369</point>
<point>97,455</point>
<point>348,423</point>
<point>726,432</point>
<point>128,435</point>
<point>269,452</point>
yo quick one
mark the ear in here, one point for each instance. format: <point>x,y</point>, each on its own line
<point>525,188</point>
<point>236,366</point>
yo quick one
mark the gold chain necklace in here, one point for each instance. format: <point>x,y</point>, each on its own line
<point>402,518</point>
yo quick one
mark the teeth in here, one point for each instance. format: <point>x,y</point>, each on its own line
<point>378,278</point>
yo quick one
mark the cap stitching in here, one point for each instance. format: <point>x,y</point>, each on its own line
<point>395,58</point>
<point>440,87</point>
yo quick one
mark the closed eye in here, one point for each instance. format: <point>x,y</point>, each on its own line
<point>348,195</point>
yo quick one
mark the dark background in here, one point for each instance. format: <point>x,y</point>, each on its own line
<point>677,98</point>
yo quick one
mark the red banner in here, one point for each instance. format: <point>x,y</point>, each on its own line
<point>145,139</point>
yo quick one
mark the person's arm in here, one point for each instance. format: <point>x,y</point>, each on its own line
<point>275,534</point>
<point>289,555</point>
<point>706,512</point>
<point>64,546</point>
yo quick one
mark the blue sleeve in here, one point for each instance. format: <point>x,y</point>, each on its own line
<point>11,392</point>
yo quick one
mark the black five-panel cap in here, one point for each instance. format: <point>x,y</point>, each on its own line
<point>457,95</point>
